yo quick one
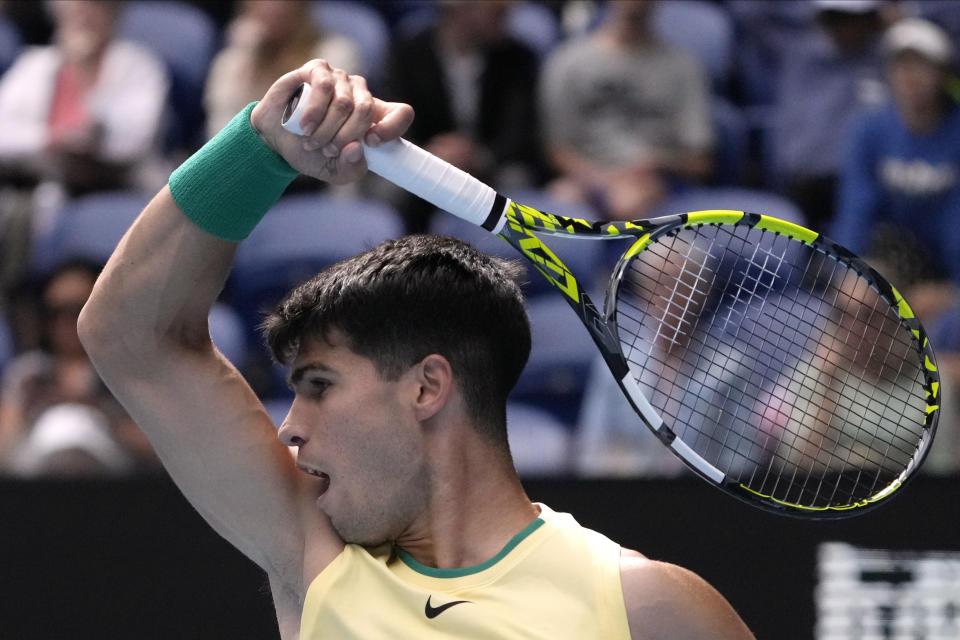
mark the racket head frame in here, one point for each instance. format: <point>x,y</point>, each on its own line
<point>524,225</point>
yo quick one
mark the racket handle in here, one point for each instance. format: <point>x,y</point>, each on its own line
<point>421,173</point>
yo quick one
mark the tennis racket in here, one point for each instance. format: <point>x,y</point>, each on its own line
<point>776,364</point>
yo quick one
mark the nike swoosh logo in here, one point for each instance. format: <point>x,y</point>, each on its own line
<point>432,612</point>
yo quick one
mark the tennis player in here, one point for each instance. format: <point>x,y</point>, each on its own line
<point>401,515</point>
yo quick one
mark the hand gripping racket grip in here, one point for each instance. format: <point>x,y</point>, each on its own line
<point>419,172</point>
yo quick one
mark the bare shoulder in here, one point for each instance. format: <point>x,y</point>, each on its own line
<point>667,601</point>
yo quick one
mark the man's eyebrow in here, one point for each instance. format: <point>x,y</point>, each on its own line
<point>297,374</point>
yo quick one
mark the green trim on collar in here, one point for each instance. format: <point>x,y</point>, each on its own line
<point>468,571</point>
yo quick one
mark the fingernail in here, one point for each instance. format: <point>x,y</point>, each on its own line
<point>331,151</point>
<point>308,127</point>
<point>353,154</point>
<point>310,145</point>
<point>373,139</point>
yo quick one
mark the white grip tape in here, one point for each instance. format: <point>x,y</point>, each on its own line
<point>419,172</point>
<point>438,182</point>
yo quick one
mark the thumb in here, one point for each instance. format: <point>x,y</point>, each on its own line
<point>392,120</point>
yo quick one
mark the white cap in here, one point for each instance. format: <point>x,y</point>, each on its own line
<point>66,427</point>
<point>847,6</point>
<point>920,36</point>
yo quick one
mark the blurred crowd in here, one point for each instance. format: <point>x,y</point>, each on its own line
<point>843,115</point>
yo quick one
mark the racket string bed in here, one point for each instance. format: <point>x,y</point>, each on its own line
<point>792,380</point>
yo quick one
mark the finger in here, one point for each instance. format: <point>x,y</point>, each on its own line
<point>275,101</point>
<point>359,120</point>
<point>322,86</point>
<point>281,90</point>
<point>338,108</point>
<point>392,120</point>
<point>352,162</point>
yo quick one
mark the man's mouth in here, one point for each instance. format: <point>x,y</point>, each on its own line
<point>325,479</point>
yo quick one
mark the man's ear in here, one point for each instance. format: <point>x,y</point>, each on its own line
<point>434,379</point>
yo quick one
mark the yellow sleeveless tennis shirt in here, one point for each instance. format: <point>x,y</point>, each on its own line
<point>554,580</point>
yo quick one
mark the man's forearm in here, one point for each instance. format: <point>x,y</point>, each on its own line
<point>164,277</point>
<point>158,287</point>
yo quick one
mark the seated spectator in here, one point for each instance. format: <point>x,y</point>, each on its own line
<point>624,115</point>
<point>824,78</point>
<point>472,86</point>
<point>265,40</point>
<point>55,387</point>
<point>84,112</point>
<point>899,200</point>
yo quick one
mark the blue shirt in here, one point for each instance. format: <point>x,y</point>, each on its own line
<point>820,92</point>
<point>909,180</point>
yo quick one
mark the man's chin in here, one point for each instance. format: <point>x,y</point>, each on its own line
<point>350,535</point>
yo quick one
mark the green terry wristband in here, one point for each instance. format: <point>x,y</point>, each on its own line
<point>227,186</point>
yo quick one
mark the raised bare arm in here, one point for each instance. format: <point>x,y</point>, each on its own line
<point>145,327</point>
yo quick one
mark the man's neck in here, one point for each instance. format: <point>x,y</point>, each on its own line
<point>477,506</point>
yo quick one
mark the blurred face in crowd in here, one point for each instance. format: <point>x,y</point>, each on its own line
<point>917,83</point>
<point>277,19</point>
<point>63,298</point>
<point>633,14</point>
<point>84,28</point>
<point>850,32</point>
<point>474,23</point>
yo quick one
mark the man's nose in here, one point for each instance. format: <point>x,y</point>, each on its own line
<point>292,433</point>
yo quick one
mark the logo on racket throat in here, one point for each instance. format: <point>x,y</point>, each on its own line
<point>536,251</point>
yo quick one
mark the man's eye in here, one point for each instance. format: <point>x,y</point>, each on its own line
<point>318,385</point>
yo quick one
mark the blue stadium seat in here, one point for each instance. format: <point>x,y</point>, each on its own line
<point>186,39</point>
<point>703,29</point>
<point>87,227</point>
<point>539,443</point>
<point>362,24</point>
<point>559,362</point>
<point>534,25</point>
<point>302,234</point>
<point>277,408</point>
<point>10,43</point>
<point>228,333</point>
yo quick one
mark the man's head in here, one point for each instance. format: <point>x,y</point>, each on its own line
<point>412,297</point>
<point>920,60</point>
<point>392,351</point>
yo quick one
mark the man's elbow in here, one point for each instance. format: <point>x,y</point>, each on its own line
<point>100,331</point>
<point>91,329</point>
